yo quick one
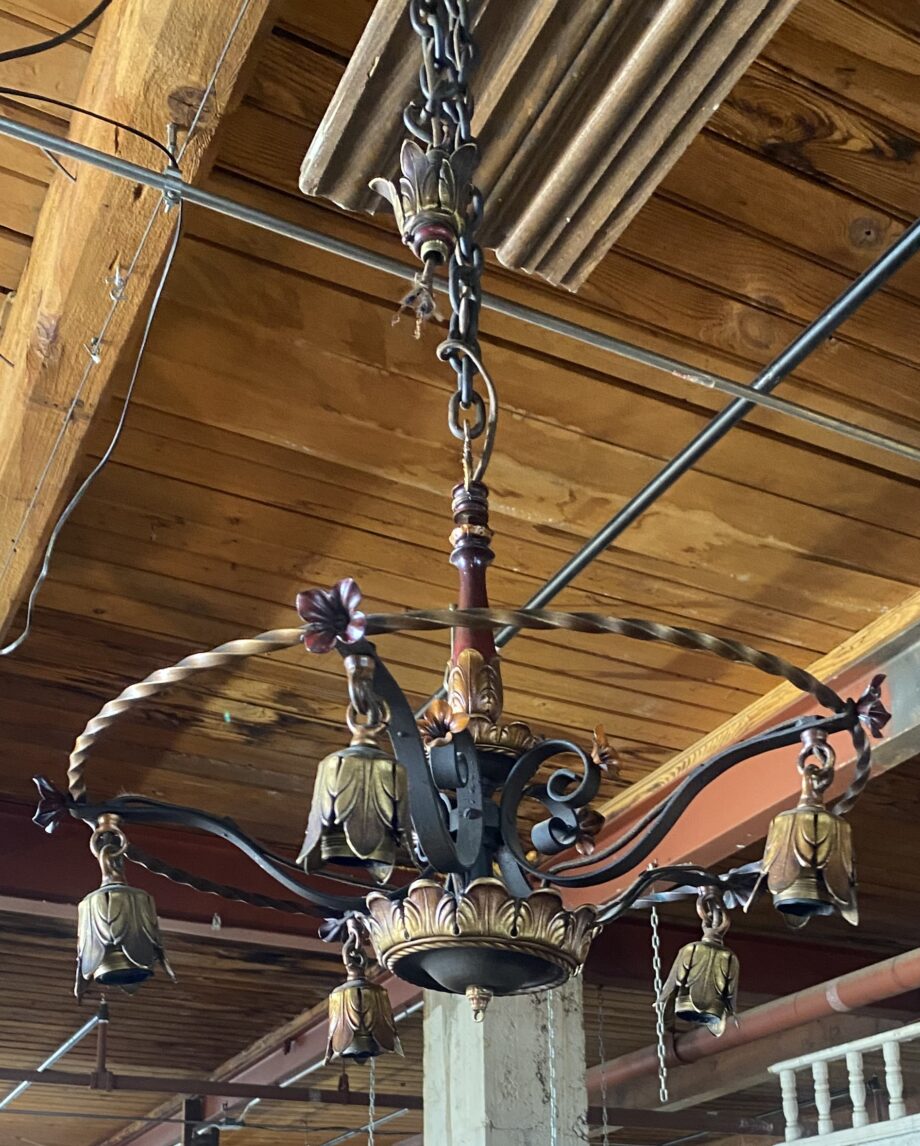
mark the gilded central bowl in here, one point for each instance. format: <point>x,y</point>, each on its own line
<point>482,939</point>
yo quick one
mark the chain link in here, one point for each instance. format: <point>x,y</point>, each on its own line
<point>602,1060</point>
<point>551,1054</point>
<point>372,1102</point>
<point>659,1007</point>
<point>442,117</point>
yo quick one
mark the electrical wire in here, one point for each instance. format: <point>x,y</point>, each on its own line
<point>58,40</point>
<point>113,441</point>
<point>22,93</point>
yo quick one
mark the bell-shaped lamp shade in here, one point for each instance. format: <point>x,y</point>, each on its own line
<point>703,984</point>
<point>118,939</point>
<point>355,814</point>
<point>809,865</point>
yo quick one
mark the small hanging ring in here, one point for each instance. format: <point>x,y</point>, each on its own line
<point>447,348</point>
<point>101,844</point>
<point>710,907</point>
<point>371,723</point>
<point>816,763</point>
<point>461,427</point>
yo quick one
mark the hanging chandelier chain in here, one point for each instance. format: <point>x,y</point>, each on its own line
<point>659,1007</point>
<point>372,1102</point>
<point>442,118</point>
<point>551,1055</point>
<point>602,1060</point>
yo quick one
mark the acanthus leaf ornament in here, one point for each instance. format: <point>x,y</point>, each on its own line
<point>432,197</point>
<point>808,859</point>
<point>809,865</point>
<point>481,941</point>
<point>355,812</point>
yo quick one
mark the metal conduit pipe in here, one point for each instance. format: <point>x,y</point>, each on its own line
<point>55,1057</point>
<point>171,186</point>
<point>864,988</point>
<point>766,381</point>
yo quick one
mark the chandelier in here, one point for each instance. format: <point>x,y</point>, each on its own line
<point>419,817</point>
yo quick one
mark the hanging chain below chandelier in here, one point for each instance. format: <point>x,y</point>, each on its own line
<point>439,797</point>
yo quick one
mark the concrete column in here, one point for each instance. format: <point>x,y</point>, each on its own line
<point>492,1083</point>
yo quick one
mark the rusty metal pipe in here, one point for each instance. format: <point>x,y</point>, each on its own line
<point>863,988</point>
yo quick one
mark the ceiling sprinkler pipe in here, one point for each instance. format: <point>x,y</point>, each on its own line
<point>864,988</point>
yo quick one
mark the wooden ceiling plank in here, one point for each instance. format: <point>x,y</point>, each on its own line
<point>701,326</point>
<point>585,662</point>
<point>539,692</point>
<point>14,255</point>
<point>251,469</point>
<point>143,54</point>
<point>53,16</point>
<point>299,544</point>
<point>618,415</point>
<point>28,163</point>
<point>875,579</point>
<point>853,56</point>
<point>901,16</point>
<point>833,228</point>
<point>58,74</point>
<point>342,388</point>
<point>793,123</point>
<point>677,240</point>
<point>337,29</point>
<point>20,203</point>
<point>215,605</point>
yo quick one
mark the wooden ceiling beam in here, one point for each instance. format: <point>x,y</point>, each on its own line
<point>151,64</point>
<point>581,114</point>
<point>736,810</point>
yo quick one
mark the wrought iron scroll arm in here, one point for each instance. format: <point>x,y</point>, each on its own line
<point>143,810</point>
<point>663,818</point>
<point>426,806</point>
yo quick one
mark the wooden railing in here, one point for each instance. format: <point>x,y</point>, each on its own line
<point>818,1063</point>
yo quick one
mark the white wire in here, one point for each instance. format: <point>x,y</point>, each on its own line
<point>244,8</point>
<point>113,442</point>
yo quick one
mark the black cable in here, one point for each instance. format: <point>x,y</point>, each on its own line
<point>55,41</point>
<point>21,93</point>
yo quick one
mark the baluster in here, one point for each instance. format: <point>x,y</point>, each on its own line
<point>822,1097</point>
<point>857,1088</point>
<point>790,1105</point>
<point>894,1081</point>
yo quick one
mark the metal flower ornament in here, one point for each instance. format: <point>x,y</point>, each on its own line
<point>452,841</point>
<point>330,615</point>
